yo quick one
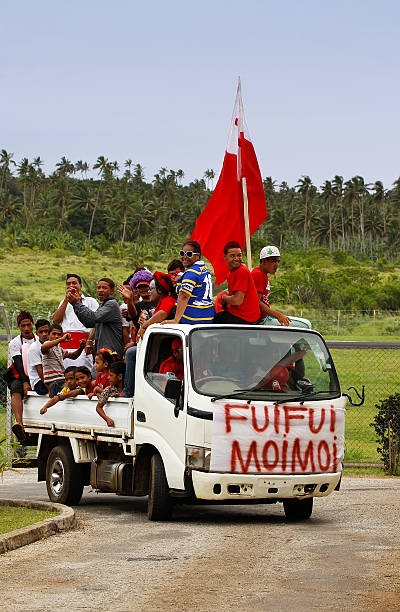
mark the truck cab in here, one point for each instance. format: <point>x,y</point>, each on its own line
<point>257,418</point>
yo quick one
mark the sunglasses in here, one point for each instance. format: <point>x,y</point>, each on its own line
<point>187,253</point>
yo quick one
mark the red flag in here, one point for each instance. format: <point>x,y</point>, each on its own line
<point>222,219</point>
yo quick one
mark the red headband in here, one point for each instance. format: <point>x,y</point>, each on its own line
<point>164,280</point>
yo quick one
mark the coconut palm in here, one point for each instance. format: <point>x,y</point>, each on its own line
<point>307,190</point>
<point>209,176</point>
<point>379,198</point>
<point>328,197</point>
<point>6,160</point>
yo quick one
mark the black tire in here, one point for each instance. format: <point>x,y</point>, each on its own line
<point>159,506</point>
<point>298,509</point>
<point>64,478</point>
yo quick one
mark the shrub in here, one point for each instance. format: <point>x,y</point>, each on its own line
<point>387,427</point>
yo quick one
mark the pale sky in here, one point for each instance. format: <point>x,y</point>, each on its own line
<point>156,81</point>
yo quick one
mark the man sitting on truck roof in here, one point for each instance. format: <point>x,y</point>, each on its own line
<point>269,263</point>
<point>241,306</point>
<point>174,364</point>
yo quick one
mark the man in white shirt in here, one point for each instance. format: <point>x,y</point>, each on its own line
<point>66,317</point>
<point>35,368</point>
<point>18,381</point>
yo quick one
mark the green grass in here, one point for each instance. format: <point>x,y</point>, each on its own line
<point>378,370</point>
<point>12,518</point>
<point>364,471</point>
<point>31,276</point>
<point>2,423</point>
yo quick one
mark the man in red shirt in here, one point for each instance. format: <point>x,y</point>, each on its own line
<point>269,263</point>
<point>241,306</point>
<point>174,364</point>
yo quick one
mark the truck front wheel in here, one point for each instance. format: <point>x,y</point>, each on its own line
<point>64,478</point>
<point>298,509</point>
<point>159,506</point>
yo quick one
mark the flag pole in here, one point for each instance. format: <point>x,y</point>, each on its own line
<point>244,185</point>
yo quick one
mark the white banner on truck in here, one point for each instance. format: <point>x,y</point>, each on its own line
<point>278,439</point>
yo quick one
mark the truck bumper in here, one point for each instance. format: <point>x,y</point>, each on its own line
<point>214,486</point>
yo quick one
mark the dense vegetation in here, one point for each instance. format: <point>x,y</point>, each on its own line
<point>340,241</point>
<point>119,204</point>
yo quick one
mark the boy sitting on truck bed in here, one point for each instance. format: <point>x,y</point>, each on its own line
<point>66,391</point>
<point>117,373</point>
<point>78,381</point>
<point>53,358</point>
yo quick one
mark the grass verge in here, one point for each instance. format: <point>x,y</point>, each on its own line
<point>12,517</point>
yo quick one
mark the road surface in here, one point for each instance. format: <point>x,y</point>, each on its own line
<point>347,557</point>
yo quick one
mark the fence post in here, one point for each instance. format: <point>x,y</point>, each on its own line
<point>373,324</point>
<point>338,322</point>
<point>9,412</point>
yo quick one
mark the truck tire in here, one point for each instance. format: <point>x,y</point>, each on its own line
<point>159,506</point>
<point>298,509</point>
<point>64,478</point>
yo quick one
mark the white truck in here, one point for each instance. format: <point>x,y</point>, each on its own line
<point>257,418</point>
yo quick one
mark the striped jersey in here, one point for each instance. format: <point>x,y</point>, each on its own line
<point>197,282</point>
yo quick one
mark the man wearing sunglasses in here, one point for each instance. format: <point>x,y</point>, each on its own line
<point>194,288</point>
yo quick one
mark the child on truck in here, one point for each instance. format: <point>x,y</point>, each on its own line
<point>53,358</point>
<point>69,390</point>
<point>78,381</point>
<point>104,358</point>
<point>117,373</point>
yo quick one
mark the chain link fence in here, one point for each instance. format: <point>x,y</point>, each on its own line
<point>361,323</point>
<point>376,365</point>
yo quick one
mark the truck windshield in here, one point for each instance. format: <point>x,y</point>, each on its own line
<point>263,364</point>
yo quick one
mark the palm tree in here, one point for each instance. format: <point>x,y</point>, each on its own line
<point>209,176</point>
<point>23,170</point>
<point>105,170</point>
<point>65,167</point>
<point>337,187</point>
<point>328,196</point>
<point>180,175</point>
<point>355,192</point>
<point>82,167</point>
<point>138,173</point>
<point>307,190</point>
<point>379,198</point>
<point>5,162</point>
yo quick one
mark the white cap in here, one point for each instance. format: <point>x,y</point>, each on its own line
<point>269,251</point>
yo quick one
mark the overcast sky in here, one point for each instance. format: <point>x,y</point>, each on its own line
<point>156,81</point>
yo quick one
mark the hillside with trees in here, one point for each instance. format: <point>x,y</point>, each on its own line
<point>340,240</point>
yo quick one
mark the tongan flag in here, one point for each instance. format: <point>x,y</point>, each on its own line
<point>222,219</point>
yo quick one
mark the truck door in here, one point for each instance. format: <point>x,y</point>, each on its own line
<point>156,421</point>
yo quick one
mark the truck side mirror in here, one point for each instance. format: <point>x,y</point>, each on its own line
<point>173,389</point>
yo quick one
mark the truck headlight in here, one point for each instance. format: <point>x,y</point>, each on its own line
<point>198,457</point>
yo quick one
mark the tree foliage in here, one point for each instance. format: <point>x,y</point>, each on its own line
<point>387,427</point>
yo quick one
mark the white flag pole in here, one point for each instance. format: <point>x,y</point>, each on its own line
<point>244,186</point>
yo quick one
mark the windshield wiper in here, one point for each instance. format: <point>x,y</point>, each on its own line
<point>301,398</point>
<point>235,392</point>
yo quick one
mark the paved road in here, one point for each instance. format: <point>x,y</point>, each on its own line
<point>347,557</point>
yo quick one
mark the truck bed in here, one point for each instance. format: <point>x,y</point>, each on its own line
<point>77,417</point>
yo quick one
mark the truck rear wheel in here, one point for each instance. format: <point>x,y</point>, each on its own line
<point>298,509</point>
<point>159,506</point>
<point>64,478</point>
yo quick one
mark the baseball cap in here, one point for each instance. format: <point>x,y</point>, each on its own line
<point>269,251</point>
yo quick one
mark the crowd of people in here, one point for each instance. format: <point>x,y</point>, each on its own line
<point>90,346</point>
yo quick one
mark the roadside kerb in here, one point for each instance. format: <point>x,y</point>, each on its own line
<point>26,535</point>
